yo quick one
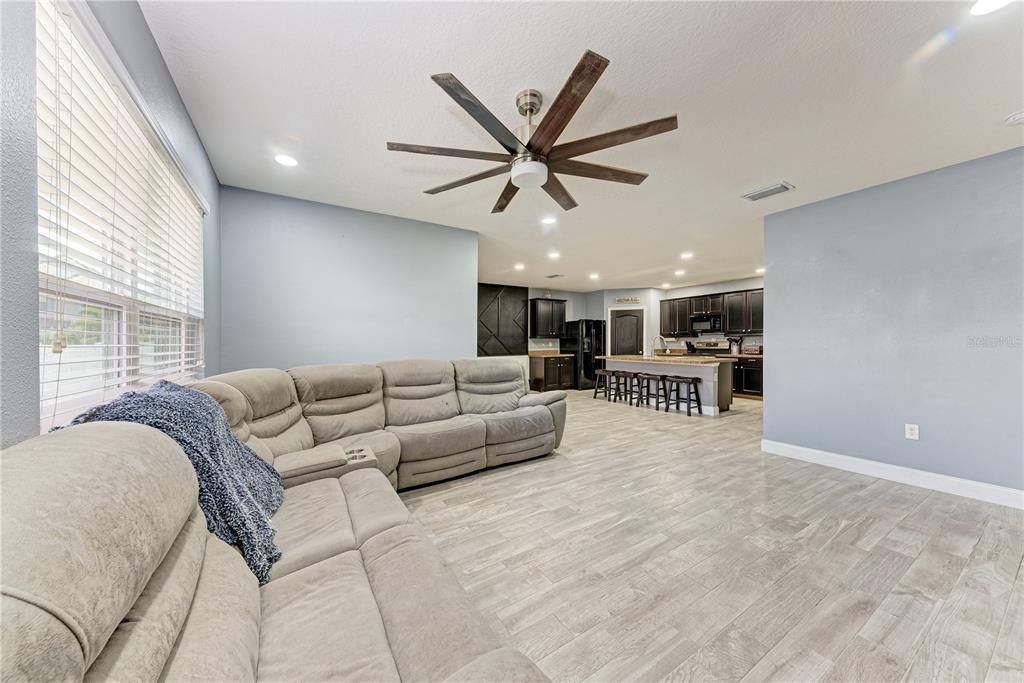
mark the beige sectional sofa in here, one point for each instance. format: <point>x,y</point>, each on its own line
<point>109,572</point>
<point>424,420</point>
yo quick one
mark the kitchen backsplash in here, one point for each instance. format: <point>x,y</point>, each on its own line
<point>543,344</point>
<point>748,342</point>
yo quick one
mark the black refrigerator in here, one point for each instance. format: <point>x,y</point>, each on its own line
<point>584,339</point>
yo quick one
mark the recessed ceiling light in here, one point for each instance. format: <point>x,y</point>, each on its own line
<point>549,220</point>
<point>520,266</point>
<point>665,285</point>
<point>286,160</point>
<point>1015,119</point>
<point>594,276</point>
<point>680,273</point>
<point>686,255</point>
<point>988,6</point>
<point>760,271</point>
<point>554,255</point>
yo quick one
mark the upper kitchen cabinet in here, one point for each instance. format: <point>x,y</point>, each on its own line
<point>734,319</point>
<point>755,309</point>
<point>700,305</point>
<point>675,318</point>
<point>668,318</point>
<point>547,318</point>
<point>743,312</point>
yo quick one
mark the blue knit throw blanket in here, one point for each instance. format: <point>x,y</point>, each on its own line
<point>238,490</point>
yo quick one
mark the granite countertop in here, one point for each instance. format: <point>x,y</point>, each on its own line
<point>742,355</point>
<point>674,359</point>
<point>550,354</point>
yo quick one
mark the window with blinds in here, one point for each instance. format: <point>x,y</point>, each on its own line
<point>120,234</point>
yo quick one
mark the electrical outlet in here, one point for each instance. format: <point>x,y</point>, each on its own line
<point>910,432</point>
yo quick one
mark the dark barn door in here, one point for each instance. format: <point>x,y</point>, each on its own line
<point>627,332</point>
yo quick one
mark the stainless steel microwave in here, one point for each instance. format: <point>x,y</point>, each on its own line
<point>706,322</point>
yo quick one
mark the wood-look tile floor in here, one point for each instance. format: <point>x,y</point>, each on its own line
<point>654,546</point>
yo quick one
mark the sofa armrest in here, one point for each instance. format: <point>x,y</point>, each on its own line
<point>328,460</point>
<point>545,398</point>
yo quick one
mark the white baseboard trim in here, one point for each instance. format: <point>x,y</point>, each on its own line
<point>990,493</point>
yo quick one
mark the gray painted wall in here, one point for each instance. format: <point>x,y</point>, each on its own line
<point>900,304</point>
<point>308,283</point>
<point>19,259</point>
<point>126,27</point>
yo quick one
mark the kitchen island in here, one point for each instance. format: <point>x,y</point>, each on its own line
<point>715,375</point>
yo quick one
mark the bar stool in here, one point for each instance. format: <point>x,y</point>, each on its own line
<point>643,380</point>
<point>692,392</point>
<point>601,383</point>
<point>622,385</point>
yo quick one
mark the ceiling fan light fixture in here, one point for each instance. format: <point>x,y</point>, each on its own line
<point>529,173</point>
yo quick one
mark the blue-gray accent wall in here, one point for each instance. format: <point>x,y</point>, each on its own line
<point>19,241</point>
<point>307,283</point>
<point>903,303</point>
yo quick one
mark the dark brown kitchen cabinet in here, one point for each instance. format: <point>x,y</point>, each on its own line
<point>744,312</point>
<point>668,318</point>
<point>547,318</point>
<point>755,311</point>
<point>675,318</point>
<point>747,376</point>
<point>551,372</point>
<point>701,305</point>
<point>683,312</point>
<point>734,319</point>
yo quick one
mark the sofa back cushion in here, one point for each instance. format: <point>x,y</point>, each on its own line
<point>238,412</point>
<point>489,385</point>
<point>276,414</point>
<point>418,391</point>
<point>339,400</point>
<point>100,527</point>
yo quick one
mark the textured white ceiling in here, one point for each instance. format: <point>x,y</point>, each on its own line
<point>832,97</point>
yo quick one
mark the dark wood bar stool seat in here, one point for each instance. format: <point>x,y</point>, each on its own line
<point>643,392</point>
<point>601,383</point>
<point>692,393</point>
<point>622,385</point>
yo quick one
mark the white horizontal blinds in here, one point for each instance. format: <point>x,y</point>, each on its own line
<point>120,235</point>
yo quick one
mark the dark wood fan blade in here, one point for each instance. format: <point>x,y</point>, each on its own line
<point>585,170</point>
<point>612,139</point>
<point>570,97</point>
<point>556,189</point>
<point>505,197</point>
<point>478,111</point>
<point>497,170</point>
<point>449,152</point>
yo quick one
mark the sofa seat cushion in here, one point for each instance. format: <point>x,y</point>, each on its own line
<point>385,446</point>
<point>433,628</point>
<point>220,640</point>
<point>322,623</point>
<point>326,517</point>
<point>518,424</point>
<point>312,524</point>
<point>428,440</point>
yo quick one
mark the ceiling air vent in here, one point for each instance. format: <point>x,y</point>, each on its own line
<point>552,277</point>
<point>768,191</point>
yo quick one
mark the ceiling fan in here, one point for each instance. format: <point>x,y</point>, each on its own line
<point>535,162</point>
